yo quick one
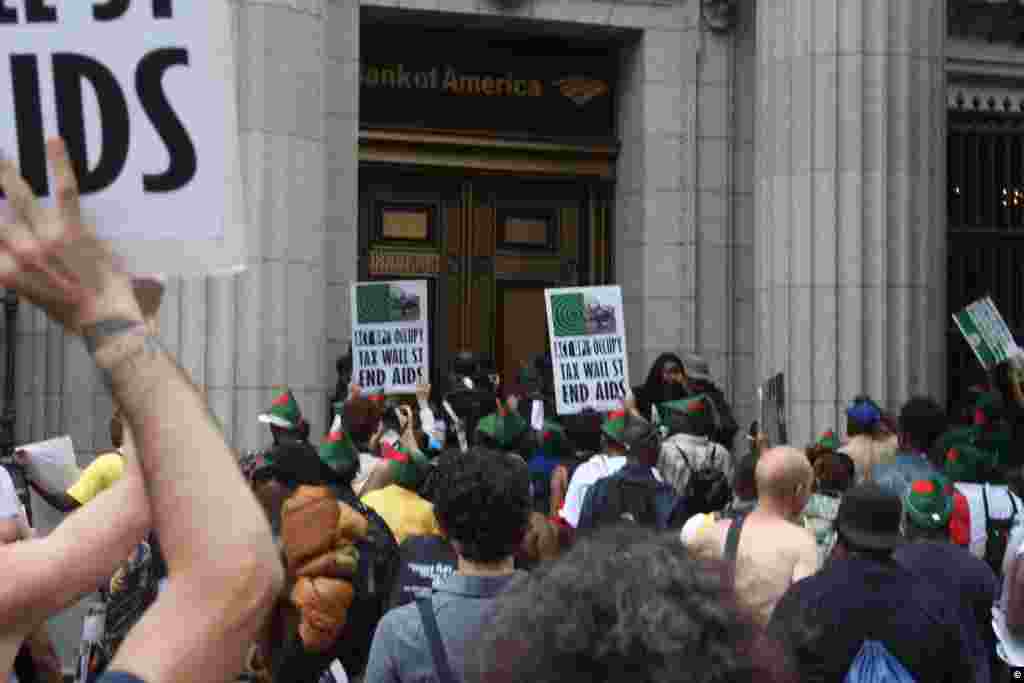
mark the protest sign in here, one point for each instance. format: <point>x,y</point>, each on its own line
<point>53,462</point>
<point>143,94</point>
<point>390,349</point>
<point>986,332</point>
<point>771,397</point>
<point>588,348</point>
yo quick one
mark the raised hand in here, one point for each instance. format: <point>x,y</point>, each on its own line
<point>53,258</point>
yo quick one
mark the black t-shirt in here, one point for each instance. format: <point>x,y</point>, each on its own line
<point>824,619</point>
<point>425,563</point>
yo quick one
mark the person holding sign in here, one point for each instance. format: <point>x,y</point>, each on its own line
<point>184,476</point>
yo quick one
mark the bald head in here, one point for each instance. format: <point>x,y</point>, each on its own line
<point>780,471</point>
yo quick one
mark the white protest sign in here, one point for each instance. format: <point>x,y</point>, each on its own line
<point>588,348</point>
<point>390,347</point>
<point>53,462</point>
<point>143,93</point>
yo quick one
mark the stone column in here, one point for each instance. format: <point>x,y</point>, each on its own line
<point>850,249</point>
<point>272,314</point>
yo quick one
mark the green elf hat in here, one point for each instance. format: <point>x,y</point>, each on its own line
<point>337,450</point>
<point>966,462</point>
<point>504,428</point>
<point>828,440</point>
<point>284,412</point>
<point>614,426</point>
<point>693,406</point>
<point>554,440</point>
<point>409,473</point>
<point>927,504</point>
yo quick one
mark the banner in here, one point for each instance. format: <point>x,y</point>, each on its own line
<point>143,94</point>
<point>986,332</point>
<point>588,348</point>
<point>390,348</point>
<point>772,399</point>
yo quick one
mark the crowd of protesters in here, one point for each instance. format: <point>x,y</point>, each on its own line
<point>450,536</point>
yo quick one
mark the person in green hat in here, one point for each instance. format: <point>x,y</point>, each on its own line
<point>610,460</point>
<point>928,508</point>
<point>503,429</point>
<point>689,451</point>
<point>553,449</point>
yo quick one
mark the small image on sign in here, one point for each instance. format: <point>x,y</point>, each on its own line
<point>384,303</point>
<point>579,315</point>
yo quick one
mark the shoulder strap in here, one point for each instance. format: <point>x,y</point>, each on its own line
<point>984,500</point>
<point>1012,503</point>
<point>732,539</point>
<point>437,651</point>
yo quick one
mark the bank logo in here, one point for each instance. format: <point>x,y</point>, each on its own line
<point>581,90</point>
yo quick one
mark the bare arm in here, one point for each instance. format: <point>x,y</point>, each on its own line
<point>1015,600</point>
<point>44,576</point>
<point>224,570</point>
<point>807,557</point>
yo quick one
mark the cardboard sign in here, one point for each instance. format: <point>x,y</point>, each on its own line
<point>986,332</point>
<point>390,348</point>
<point>53,462</point>
<point>143,94</point>
<point>588,348</point>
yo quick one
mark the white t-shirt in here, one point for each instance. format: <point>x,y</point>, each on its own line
<point>585,476</point>
<point>10,504</point>
<point>999,507</point>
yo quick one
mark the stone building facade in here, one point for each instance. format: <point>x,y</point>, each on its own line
<point>771,195</point>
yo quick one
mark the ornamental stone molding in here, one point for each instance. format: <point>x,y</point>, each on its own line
<point>985,99</point>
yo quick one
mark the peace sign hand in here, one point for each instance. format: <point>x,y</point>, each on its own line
<point>52,258</point>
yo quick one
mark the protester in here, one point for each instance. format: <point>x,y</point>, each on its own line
<point>665,382</point>
<point>699,469</point>
<point>1008,613</point>
<point>698,381</point>
<point>624,605</point>
<point>868,443</point>
<point>832,478</point>
<point>637,492</point>
<point>921,422</point>
<point>927,509</point>
<point>200,627</point>
<point>597,467</point>
<point>406,513</point>
<point>484,510</point>
<point>770,550</point>
<point>863,597</point>
<point>289,657</point>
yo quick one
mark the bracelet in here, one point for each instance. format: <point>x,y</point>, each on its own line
<point>95,334</point>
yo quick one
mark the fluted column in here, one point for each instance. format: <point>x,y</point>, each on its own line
<point>850,245</point>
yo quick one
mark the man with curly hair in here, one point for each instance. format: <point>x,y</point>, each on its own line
<point>483,509</point>
<point>625,604</point>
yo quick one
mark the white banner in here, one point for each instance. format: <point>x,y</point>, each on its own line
<point>143,94</point>
<point>390,346</point>
<point>588,348</point>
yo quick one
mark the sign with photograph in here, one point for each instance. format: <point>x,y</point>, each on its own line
<point>390,347</point>
<point>588,348</point>
<point>986,332</point>
<point>143,94</point>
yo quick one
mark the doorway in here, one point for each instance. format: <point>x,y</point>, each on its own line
<point>489,246</point>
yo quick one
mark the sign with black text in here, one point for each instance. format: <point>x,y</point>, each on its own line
<point>588,348</point>
<point>390,347</point>
<point>143,94</point>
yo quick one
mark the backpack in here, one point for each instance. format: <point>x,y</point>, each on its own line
<point>997,533</point>
<point>875,664</point>
<point>646,502</point>
<point>707,489</point>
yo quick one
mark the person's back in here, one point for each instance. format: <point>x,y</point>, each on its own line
<point>774,551</point>
<point>483,508</point>
<point>867,451</point>
<point>864,595</point>
<point>699,469</point>
<point>921,423</point>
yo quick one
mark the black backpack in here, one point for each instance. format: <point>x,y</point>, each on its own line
<point>997,533</point>
<point>707,489</point>
<point>641,501</point>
